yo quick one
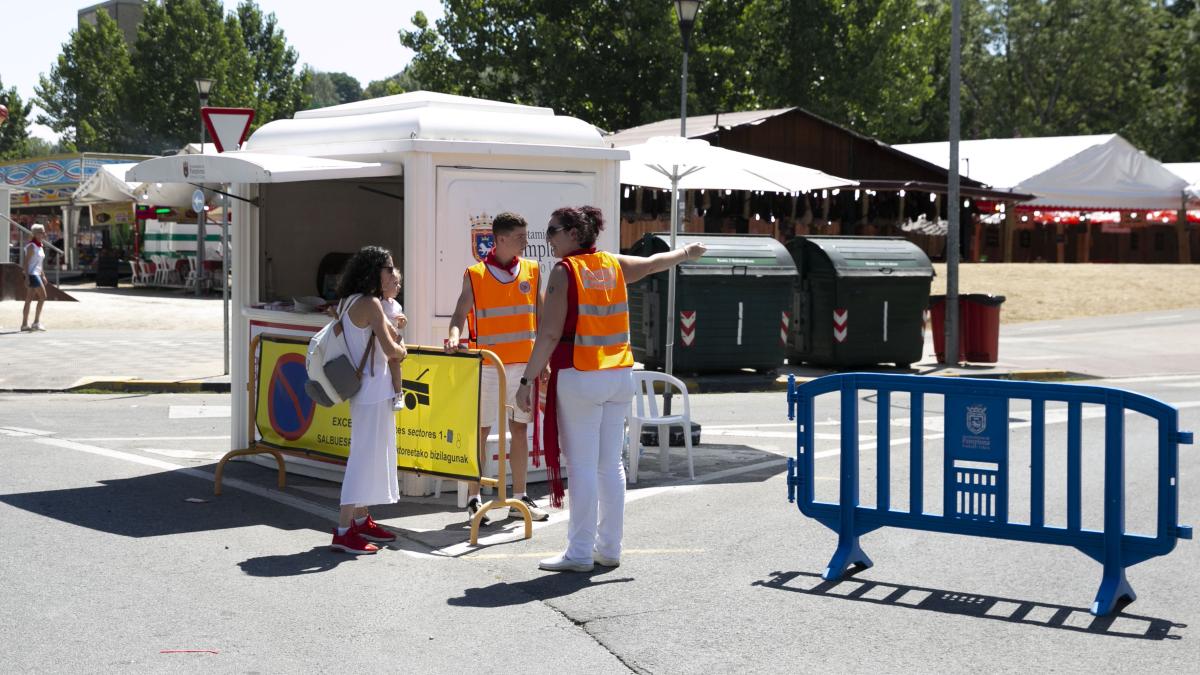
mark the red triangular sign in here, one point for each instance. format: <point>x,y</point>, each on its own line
<point>227,127</point>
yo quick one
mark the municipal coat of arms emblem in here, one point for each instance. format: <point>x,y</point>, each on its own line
<point>976,419</point>
<point>482,239</point>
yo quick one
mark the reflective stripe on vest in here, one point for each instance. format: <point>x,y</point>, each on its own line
<point>505,316</point>
<point>602,325</point>
<point>600,310</point>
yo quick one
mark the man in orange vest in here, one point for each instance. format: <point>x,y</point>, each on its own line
<point>501,294</point>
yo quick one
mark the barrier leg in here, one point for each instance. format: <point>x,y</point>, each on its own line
<point>219,475</point>
<point>1114,588</point>
<point>848,554</point>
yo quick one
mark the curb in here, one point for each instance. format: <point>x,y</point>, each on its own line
<point>151,387</point>
<point>127,387</point>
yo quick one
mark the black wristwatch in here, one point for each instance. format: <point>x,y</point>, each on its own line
<point>524,381</point>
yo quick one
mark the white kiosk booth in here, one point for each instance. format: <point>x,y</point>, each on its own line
<point>419,173</point>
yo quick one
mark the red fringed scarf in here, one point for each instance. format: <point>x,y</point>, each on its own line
<point>563,357</point>
<point>36,243</point>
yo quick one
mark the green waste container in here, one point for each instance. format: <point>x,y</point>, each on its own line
<point>729,304</point>
<point>858,301</point>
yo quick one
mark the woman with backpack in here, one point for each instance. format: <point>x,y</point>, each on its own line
<point>368,278</point>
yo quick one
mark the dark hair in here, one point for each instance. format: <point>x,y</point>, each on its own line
<point>586,221</point>
<point>506,222</point>
<point>361,273</point>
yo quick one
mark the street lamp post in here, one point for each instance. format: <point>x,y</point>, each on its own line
<point>203,86</point>
<point>685,11</point>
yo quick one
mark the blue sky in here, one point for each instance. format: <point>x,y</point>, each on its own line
<point>358,37</point>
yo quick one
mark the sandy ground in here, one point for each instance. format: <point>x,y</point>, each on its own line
<point>1033,292</point>
<point>1038,292</point>
<point>123,309</point>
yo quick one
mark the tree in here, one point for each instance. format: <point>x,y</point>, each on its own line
<point>601,60</point>
<point>865,64</point>
<point>279,89</point>
<point>348,88</point>
<point>179,41</point>
<point>14,134</point>
<point>83,95</point>
<point>399,83</point>
<point>320,90</point>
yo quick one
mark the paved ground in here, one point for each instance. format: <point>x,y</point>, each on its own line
<point>718,575</point>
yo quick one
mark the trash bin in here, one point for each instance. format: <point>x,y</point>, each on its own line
<point>858,301</point>
<point>107,268</point>
<point>978,327</point>
<point>730,305</point>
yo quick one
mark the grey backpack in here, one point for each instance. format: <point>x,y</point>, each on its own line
<point>332,376</point>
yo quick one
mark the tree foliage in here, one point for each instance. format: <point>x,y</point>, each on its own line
<point>1030,67</point>
<point>279,89</point>
<point>83,96</point>
<point>14,134</point>
<point>103,95</point>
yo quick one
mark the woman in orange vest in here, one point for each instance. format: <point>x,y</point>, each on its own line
<point>583,333</point>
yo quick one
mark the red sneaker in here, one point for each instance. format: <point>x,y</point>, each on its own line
<point>352,543</point>
<point>372,531</point>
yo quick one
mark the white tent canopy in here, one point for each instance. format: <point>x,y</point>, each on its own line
<point>108,184</point>
<point>1070,172</point>
<point>1190,172</point>
<point>699,165</point>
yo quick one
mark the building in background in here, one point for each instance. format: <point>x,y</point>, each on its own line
<point>127,14</point>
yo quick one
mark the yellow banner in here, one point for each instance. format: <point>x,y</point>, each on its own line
<point>436,433</point>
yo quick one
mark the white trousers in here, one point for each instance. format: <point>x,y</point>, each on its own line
<point>592,407</point>
<point>371,468</point>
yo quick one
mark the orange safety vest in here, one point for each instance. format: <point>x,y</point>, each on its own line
<point>602,327</point>
<point>505,314</point>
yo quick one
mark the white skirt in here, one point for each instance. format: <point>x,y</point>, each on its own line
<point>371,469</point>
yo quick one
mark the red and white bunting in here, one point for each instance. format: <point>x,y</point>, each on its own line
<point>783,328</point>
<point>841,318</point>
<point>687,327</point>
<point>227,127</point>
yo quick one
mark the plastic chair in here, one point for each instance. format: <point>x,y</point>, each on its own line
<point>646,413</point>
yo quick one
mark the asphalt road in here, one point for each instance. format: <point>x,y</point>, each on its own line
<point>116,554</point>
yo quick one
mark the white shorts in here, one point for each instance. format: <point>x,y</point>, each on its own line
<point>489,391</point>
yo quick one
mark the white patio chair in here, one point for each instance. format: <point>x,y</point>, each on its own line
<point>646,413</point>
<point>134,276</point>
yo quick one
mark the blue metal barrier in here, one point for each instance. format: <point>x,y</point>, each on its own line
<point>975,469</point>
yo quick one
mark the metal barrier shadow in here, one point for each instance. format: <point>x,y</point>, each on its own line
<point>1009,610</point>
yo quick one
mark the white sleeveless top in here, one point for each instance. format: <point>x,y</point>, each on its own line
<point>34,256</point>
<point>376,380</point>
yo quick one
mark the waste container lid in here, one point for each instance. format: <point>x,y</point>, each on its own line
<point>865,256</point>
<point>728,254</point>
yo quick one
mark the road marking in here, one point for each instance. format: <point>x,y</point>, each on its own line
<point>1153,378</point>
<point>713,427</point>
<point>184,454</point>
<point>628,551</point>
<point>21,432</point>
<point>237,484</point>
<point>151,438</point>
<point>187,412</point>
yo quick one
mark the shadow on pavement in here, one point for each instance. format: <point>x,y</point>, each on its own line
<point>316,559</point>
<point>1010,610</point>
<point>539,589</point>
